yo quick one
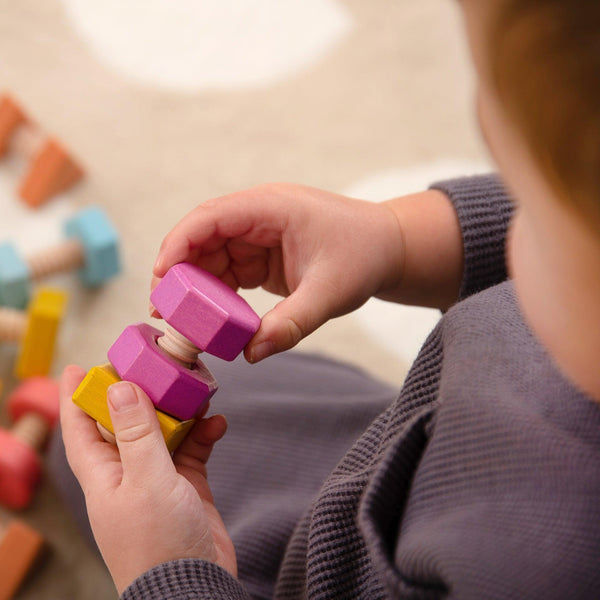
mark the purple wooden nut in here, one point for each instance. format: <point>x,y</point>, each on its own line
<point>205,310</point>
<point>173,388</point>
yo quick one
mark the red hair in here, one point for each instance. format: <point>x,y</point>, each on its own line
<point>545,63</point>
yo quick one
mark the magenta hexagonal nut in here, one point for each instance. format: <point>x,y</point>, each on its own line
<point>205,310</point>
<point>173,388</point>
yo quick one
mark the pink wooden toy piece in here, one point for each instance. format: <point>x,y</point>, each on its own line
<point>34,407</point>
<point>202,313</point>
<point>173,387</point>
<point>208,312</point>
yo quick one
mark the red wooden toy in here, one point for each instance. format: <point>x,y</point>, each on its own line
<point>34,408</point>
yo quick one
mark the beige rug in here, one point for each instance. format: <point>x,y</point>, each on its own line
<point>168,108</point>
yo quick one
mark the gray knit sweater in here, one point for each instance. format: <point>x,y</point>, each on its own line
<point>480,481</point>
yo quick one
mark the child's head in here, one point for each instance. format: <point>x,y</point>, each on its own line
<point>545,67</point>
<point>540,59</point>
<point>538,65</point>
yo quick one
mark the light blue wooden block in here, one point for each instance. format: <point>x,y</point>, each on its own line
<point>14,278</point>
<point>100,242</point>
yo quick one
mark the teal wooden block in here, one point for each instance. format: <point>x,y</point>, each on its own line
<point>100,241</point>
<point>14,278</point>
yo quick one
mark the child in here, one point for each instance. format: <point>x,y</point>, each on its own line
<point>482,479</point>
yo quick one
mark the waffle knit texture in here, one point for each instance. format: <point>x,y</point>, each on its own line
<point>479,481</point>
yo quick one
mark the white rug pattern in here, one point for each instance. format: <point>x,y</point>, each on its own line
<point>196,44</point>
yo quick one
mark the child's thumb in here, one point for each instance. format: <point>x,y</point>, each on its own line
<point>143,451</point>
<point>292,319</point>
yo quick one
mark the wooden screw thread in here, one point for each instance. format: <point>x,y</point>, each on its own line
<point>178,347</point>
<point>27,140</point>
<point>67,256</point>
<point>12,324</point>
<point>32,429</point>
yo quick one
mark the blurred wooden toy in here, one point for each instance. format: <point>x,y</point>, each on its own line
<point>91,245</point>
<point>34,408</point>
<point>51,168</point>
<point>20,547</point>
<point>202,314</point>
<point>36,329</point>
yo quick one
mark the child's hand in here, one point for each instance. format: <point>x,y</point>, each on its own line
<point>144,507</point>
<point>326,253</point>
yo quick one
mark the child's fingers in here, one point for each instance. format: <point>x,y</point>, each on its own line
<point>83,443</point>
<point>195,451</point>
<point>248,215</point>
<point>144,455</point>
<point>293,319</point>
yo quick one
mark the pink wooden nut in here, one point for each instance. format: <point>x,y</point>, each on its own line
<point>205,310</point>
<point>173,388</point>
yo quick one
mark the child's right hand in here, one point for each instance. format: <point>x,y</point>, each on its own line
<point>327,254</point>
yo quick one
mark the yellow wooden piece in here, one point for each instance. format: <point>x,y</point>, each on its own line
<point>90,396</point>
<point>44,315</point>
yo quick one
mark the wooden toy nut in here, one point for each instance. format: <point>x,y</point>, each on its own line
<point>172,387</point>
<point>205,310</point>
<point>91,395</point>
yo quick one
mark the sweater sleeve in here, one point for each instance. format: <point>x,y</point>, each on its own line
<point>484,210</point>
<point>186,579</point>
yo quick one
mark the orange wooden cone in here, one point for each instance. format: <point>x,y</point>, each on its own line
<point>51,171</point>
<point>11,116</point>
<point>20,546</point>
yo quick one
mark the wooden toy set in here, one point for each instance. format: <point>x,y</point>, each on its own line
<point>30,318</point>
<point>33,407</point>
<point>202,314</point>
<point>30,314</point>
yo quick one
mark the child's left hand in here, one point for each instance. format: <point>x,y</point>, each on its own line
<point>145,508</point>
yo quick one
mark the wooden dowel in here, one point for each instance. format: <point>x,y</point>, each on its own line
<point>12,324</point>
<point>32,429</point>
<point>67,256</point>
<point>27,140</point>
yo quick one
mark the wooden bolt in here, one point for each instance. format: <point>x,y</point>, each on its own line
<point>34,408</point>
<point>51,168</point>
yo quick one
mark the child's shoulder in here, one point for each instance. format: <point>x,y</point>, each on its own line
<point>506,487</point>
<point>490,353</point>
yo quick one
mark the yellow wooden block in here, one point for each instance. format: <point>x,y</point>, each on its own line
<point>90,396</point>
<point>44,315</point>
